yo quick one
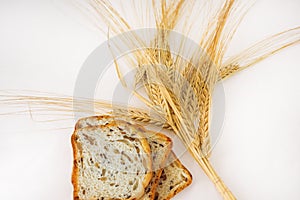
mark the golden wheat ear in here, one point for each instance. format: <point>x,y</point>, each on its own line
<point>259,52</point>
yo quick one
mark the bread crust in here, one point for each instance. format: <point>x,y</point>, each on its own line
<point>143,141</point>
<point>75,169</point>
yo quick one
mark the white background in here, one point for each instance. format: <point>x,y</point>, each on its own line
<point>42,48</point>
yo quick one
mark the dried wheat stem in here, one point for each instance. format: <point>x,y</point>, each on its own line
<point>193,147</point>
<point>211,173</point>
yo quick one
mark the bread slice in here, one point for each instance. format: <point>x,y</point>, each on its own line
<point>174,178</point>
<point>111,161</point>
<point>160,146</point>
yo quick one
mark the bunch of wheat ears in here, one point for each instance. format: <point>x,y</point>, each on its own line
<point>178,88</point>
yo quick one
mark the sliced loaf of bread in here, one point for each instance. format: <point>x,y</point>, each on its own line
<point>111,161</point>
<point>174,178</point>
<point>160,146</point>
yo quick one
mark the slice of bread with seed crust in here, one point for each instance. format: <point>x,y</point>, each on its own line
<point>174,178</point>
<point>160,146</point>
<point>111,161</point>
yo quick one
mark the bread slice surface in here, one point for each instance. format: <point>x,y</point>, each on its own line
<point>160,146</point>
<point>111,161</point>
<point>174,178</point>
